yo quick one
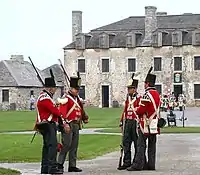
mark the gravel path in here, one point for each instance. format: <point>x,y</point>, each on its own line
<point>176,155</point>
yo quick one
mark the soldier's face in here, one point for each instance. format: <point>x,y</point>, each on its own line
<point>131,90</point>
<point>75,91</point>
<point>146,85</point>
<point>53,90</point>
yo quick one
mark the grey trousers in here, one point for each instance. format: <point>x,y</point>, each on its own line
<point>140,159</point>
<point>70,144</point>
<point>130,135</point>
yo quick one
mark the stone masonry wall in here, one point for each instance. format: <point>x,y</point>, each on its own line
<point>118,76</point>
<point>21,97</point>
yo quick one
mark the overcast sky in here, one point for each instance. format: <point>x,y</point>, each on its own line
<point>41,28</point>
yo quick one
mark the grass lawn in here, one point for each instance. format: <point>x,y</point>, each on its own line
<point>4,171</point>
<point>17,148</point>
<point>166,130</point>
<point>24,120</point>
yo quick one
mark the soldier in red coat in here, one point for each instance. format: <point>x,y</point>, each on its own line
<point>46,124</point>
<point>129,120</point>
<point>148,113</point>
<point>73,113</point>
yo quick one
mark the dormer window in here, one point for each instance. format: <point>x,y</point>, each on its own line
<point>157,39</point>
<point>138,38</point>
<point>177,38</point>
<point>80,41</point>
<point>130,40</point>
<point>196,37</point>
<point>104,41</point>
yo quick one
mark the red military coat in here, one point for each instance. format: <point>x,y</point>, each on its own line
<point>71,108</point>
<point>46,109</point>
<point>130,105</point>
<point>148,111</point>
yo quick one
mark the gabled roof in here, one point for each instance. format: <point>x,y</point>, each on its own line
<point>168,23</point>
<point>20,73</point>
<point>57,71</point>
<point>185,21</point>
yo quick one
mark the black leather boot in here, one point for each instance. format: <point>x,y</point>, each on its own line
<point>123,167</point>
<point>74,169</point>
<point>44,170</point>
<point>61,167</point>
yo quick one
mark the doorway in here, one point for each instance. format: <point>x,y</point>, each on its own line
<point>105,96</point>
<point>178,89</point>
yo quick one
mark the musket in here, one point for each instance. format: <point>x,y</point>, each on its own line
<point>40,79</point>
<point>38,74</point>
<point>121,145</point>
<point>33,136</point>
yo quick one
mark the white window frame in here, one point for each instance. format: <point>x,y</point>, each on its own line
<point>81,58</point>
<point>127,58</point>
<point>109,60</point>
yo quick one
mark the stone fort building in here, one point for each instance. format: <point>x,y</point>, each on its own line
<point>107,56</point>
<point>18,81</point>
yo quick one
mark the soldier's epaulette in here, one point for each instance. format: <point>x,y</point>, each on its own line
<point>145,97</point>
<point>44,97</point>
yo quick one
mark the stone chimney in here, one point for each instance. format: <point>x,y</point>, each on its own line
<point>150,22</point>
<point>76,24</point>
<point>19,58</point>
<point>161,14</point>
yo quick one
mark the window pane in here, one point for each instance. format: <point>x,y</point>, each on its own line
<point>105,65</point>
<point>81,65</point>
<point>157,64</point>
<point>159,88</point>
<point>131,65</point>
<point>5,95</point>
<point>177,63</point>
<point>197,63</point>
<point>82,92</point>
<point>196,91</point>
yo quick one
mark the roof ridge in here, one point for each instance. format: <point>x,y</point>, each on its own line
<point>14,77</point>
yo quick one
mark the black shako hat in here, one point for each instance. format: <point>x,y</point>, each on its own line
<point>132,82</point>
<point>75,82</point>
<point>150,78</point>
<point>50,82</point>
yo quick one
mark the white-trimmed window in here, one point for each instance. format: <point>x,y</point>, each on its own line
<point>5,95</point>
<point>105,65</point>
<point>81,65</point>
<point>196,91</point>
<point>131,65</point>
<point>157,64</point>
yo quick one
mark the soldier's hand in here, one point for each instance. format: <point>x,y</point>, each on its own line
<point>85,121</point>
<point>66,128</point>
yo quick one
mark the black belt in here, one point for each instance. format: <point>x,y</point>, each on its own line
<point>75,121</point>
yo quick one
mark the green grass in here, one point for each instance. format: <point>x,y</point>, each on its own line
<point>166,130</point>
<point>17,148</point>
<point>4,171</point>
<point>25,120</point>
